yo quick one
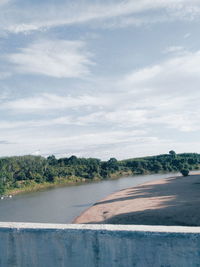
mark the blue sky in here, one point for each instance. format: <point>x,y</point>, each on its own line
<point>99,78</point>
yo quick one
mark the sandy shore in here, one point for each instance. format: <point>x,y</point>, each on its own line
<point>171,201</point>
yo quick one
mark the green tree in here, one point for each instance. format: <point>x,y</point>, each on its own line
<point>172,153</point>
<point>52,160</point>
<point>2,188</point>
<point>185,172</point>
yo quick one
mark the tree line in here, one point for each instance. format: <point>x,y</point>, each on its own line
<point>23,171</point>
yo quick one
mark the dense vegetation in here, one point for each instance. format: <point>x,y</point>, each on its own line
<point>18,173</point>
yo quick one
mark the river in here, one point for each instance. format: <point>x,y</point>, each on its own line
<point>63,204</point>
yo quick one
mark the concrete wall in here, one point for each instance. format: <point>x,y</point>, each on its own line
<point>45,245</point>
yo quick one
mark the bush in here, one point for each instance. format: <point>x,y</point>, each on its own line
<point>185,172</point>
<point>2,189</point>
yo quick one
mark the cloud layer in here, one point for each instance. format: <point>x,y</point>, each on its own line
<point>77,77</point>
<point>57,58</point>
<point>47,15</point>
<point>147,99</point>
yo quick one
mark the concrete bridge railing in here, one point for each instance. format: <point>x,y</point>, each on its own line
<point>48,245</point>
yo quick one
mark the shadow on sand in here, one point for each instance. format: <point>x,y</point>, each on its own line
<point>178,198</point>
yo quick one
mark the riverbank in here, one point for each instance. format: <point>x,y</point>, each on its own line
<point>171,201</point>
<point>64,203</point>
<point>32,186</point>
<point>29,173</point>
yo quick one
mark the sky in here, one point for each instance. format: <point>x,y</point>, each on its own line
<point>114,78</point>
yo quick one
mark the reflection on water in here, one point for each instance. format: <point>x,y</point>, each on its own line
<point>62,205</point>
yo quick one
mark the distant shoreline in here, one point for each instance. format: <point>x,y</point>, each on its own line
<point>32,173</point>
<point>67,182</point>
<point>34,187</point>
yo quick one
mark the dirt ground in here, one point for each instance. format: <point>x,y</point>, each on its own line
<point>171,201</point>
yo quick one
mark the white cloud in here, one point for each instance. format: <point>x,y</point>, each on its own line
<point>54,102</point>
<point>169,92</point>
<point>137,109</point>
<point>183,121</point>
<point>58,58</point>
<point>163,94</point>
<point>79,142</point>
<point>142,75</point>
<point>102,144</point>
<point>122,117</point>
<point>174,49</point>
<point>45,16</point>
<point>176,74</point>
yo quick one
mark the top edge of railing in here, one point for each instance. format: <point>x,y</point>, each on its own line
<point>101,227</point>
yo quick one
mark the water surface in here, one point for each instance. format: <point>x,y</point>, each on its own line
<point>62,205</point>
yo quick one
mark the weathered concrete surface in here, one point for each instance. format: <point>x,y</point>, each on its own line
<point>45,245</point>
